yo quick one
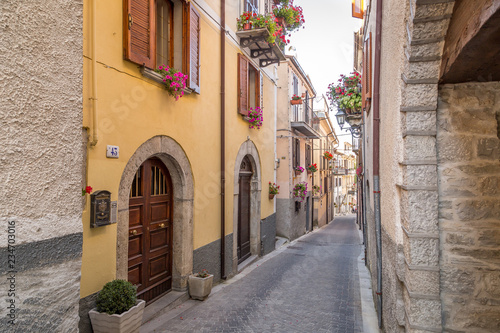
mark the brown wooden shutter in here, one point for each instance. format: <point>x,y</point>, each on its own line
<point>366,79</point>
<point>191,40</point>
<point>298,152</point>
<point>357,9</point>
<point>139,44</point>
<point>258,89</point>
<point>242,84</point>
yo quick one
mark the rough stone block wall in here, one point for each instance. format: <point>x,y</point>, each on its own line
<point>41,75</point>
<point>468,140</point>
<point>419,257</point>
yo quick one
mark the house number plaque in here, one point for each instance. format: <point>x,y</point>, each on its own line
<point>100,211</point>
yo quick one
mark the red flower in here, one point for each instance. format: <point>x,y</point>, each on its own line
<point>88,189</point>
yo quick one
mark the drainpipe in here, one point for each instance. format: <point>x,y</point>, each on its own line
<point>376,156</point>
<point>223,139</point>
<point>93,97</point>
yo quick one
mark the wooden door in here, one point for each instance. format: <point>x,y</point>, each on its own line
<point>150,231</point>
<point>245,178</point>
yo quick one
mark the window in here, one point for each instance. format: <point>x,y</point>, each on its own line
<point>163,32</point>
<point>295,108</point>
<point>308,155</point>
<point>366,78</point>
<point>252,6</point>
<point>295,152</point>
<point>249,84</point>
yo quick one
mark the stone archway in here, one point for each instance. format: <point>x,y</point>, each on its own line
<point>249,150</point>
<point>418,257</point>
<point>177,163</point>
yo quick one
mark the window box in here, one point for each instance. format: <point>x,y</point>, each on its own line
<point>296,101</point>
<point>152,75</point>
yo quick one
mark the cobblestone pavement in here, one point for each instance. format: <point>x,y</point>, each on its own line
<point>311,286</point>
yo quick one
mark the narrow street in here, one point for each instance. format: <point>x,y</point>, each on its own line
<point>312,285</point>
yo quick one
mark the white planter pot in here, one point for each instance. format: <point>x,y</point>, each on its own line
<point>200,288</point>
<point>127,322</point>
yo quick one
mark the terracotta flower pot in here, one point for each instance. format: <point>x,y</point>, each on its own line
<point>297,173</point>
<point>271,196</point>
<point>247,26</point>
<point>296,101</point>
<point>281,21</point>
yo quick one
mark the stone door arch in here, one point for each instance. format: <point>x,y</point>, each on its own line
<point>249,151</point>
<point>174,158</point>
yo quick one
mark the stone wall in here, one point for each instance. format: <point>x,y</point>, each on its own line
<point>268,234</point>
<point>41,74</point>
<point>468,140</point>
<point>290,223</point>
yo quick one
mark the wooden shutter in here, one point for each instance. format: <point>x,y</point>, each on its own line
<point>139,45</point>
<point>297,148</point>
<point>357,9</point>
<point>242,84</point>
<point>258,88</point>
<point>191,40</point>
<point>366,79</point>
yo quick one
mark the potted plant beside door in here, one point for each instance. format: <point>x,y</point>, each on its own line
<point>200,285</point>
<point>118,309</point>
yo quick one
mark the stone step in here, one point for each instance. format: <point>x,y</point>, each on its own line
<point>164,304</point>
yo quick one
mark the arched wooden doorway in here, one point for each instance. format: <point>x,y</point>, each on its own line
<point>245,177</point>
<point>150,230</point>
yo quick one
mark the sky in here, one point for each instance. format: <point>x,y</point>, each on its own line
<point>325,47</point>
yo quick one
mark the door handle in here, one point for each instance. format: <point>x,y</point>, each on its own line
<point>162,226</point>
<point>133,232</point>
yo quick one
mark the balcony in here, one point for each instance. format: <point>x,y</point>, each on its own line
<point>255,41</point>
<point>304,120</point>
<point>340,171</point>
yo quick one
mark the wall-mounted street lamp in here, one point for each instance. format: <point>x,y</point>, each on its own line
<point>341,118</point>
<point>354,129</point>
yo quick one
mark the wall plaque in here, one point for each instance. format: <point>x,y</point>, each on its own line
<point>100,211</point>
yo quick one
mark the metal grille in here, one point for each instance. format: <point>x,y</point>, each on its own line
<point>136,189</point>
<point>158,182</point>
<point>252,6</point>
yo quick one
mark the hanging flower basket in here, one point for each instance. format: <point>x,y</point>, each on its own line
<point>273,190</point>
<point>312,168</point>
<point>327,155</point>
<point>296,100</point>
<point>300,191</point>
<point>298,170</point>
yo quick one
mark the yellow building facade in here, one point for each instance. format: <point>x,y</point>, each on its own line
<point>171,167</point>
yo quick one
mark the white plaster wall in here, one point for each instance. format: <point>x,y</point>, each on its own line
<point>391,143</point>
<point>41,118</point>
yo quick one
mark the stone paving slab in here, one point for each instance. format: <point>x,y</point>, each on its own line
<point>312,285</point>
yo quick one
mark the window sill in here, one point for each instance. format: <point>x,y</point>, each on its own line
<point>152,75</point>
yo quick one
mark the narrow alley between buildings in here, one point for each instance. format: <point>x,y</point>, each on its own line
<point>311,285</point>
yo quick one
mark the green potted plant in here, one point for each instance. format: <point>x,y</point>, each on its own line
<point>273,190</point>
<point>300,191</point>
<point>296,100</point>
<point>118,309</point>
<point>312,168</point>
<point>346,94</point>
<point>289,16</point>
<point>200,285</point>
<point>298,170</point>
<point>316,189</point>
<point>249,21</point>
